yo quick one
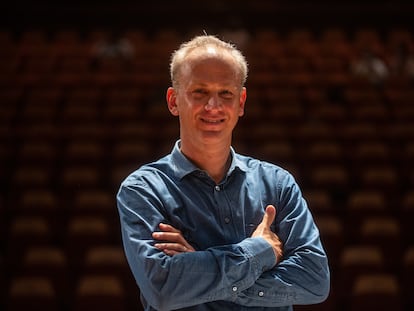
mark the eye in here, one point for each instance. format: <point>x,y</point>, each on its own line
<point>226,94</point>
<point>199,93</point>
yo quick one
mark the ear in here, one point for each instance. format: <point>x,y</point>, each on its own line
<point>172,101</point>
<point>242,101</point>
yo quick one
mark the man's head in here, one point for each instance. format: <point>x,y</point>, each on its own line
<point>206,46</point>
<point>207,94</point>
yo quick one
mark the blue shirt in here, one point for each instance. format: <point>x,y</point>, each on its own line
<point>229,270</point>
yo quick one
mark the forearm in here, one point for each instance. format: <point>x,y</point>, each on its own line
<point>219,273</point>
<point>302,279</point>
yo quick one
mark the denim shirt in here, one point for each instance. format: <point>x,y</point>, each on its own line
<point>229,270</point>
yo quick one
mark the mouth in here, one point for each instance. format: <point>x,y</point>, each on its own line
<point>212,121</point>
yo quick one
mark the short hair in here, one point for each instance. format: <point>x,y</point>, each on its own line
<point>179,56</point>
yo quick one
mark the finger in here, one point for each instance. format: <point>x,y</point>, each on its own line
<point>171,247</point>
<point>168,228</point>
<point>269,216</point>
<point>172,238</point>
<point>168,236</point>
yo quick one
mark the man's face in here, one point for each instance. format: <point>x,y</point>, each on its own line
<point>209,99</point>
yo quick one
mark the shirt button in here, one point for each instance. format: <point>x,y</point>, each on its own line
<point>226,220</point>
<point>234,289</point>
<point>217,188</point>
<point>261,294</point>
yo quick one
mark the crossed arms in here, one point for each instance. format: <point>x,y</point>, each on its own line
<point>174,243</point>
<point>257,271</point>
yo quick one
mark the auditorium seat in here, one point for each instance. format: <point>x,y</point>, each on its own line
<point>309,132</point>
<point>42,62</point>
<point>66,36</point>
<point>41,202</point>
<point>300,42</point>
<point>370,112</point>
<point>333,238</point>
<point>396,35</point>
<point>280,152</point>
<point>334,41</point>
<point>406,212</point>
<point>93,202</point>
<point>356,260</point>
<point>117,111</point>
<point>31,176</point>
<point>134,131</point>
<point>31,293</point>
<point>83,152</point>
<point>354,132</point>
<point>119,172</point>
<point>376,292</point>
<point>47,262</point>
<point>406,277</point>
<point>383,178</point>
<point>9,64</point>
<point>365,37</point>
<point>369,153</point>
<point>103,259</point>
<point>3,286</point>
<point>285,111</point>
<point>93,131</point>
<point>76,62</point>
<point>24,232</point>
<point>99,292</point>
<point>132,152</point>
<point>332,177</point>
<point>6,36</point>
<point>402,112</point>
<point>121,96</point>
<point>46,95</point>
<point>384,233</point>
<point>328,64</point>
<point>84,232</point>
<point>37,152</point>
<point>79,176</point>
<point>361,205</point>
<point>80,113</point>
<point>320,202</point>
<point>4,218</point>
<point>323,153</point>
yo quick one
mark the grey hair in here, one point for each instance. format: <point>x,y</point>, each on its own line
<point>179,56</point>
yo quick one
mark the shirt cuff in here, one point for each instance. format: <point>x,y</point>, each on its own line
<point>260,252</point>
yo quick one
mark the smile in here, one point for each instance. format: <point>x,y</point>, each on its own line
<point>211,121</point>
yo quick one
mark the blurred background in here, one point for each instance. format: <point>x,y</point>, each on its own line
<point>82,104</point>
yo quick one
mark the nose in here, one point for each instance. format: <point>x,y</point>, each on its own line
<point>212,103</point>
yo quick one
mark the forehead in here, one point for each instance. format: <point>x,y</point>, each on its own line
<point>209,61</point>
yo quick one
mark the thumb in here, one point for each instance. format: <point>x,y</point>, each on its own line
<point>269,216</point>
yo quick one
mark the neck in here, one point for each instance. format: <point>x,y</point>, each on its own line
<point>213,158</point>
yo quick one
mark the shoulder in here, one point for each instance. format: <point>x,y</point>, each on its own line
<point>256,166</point>
<point>148,173</point>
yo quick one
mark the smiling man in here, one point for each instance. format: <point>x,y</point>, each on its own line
<point>206,228</point>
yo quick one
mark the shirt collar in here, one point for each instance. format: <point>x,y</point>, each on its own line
<point>182,166</point>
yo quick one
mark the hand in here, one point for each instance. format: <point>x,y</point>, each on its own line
<point>173,240</point>
<point>263,230</point>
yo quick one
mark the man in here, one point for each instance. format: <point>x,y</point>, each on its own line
<point>205,228</point>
